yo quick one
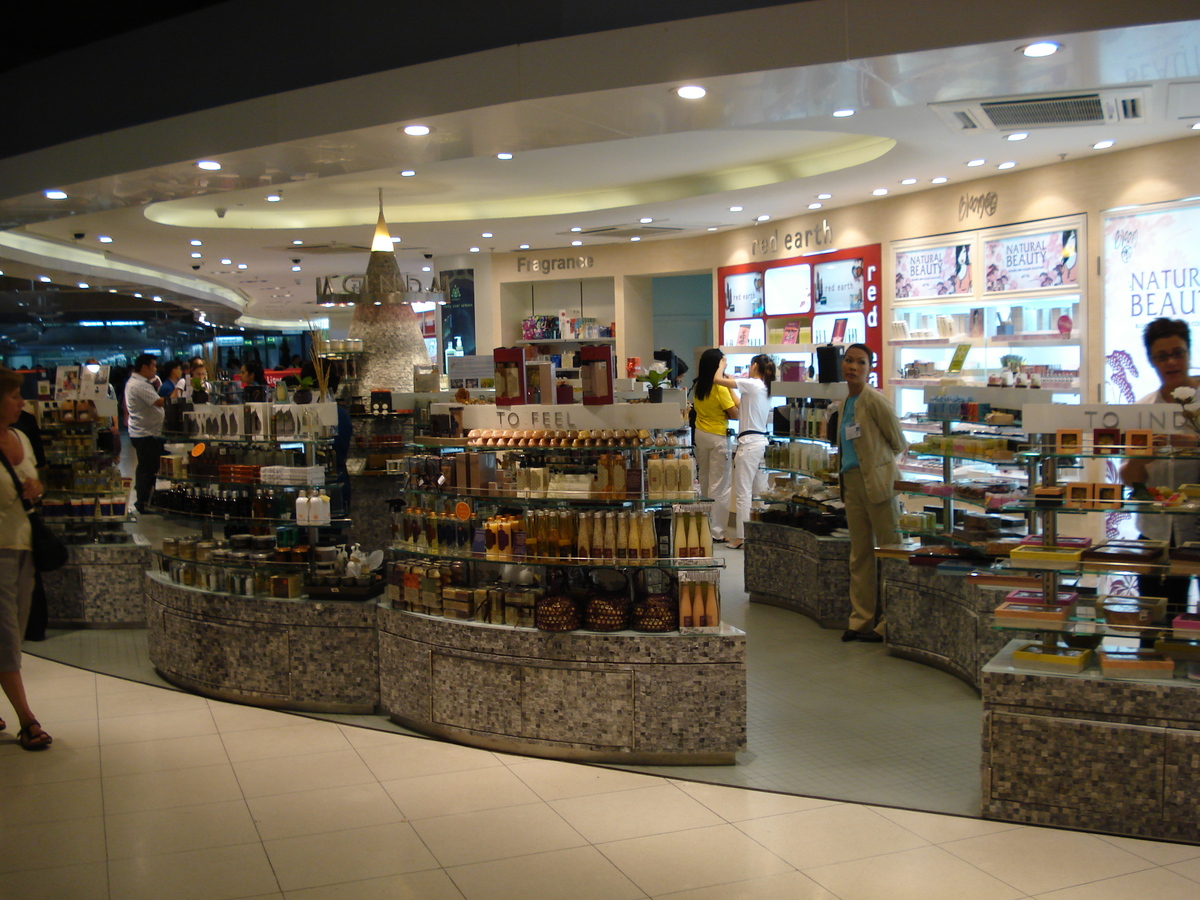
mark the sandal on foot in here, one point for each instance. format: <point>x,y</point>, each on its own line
<point>30,741</point>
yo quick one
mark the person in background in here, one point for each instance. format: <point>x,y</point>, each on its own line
<point>173,379</point>
<point>1168,345</point>
<point>869,441</point>
<point>145,410</point>
<point>38,611</point>
<point>755,414</point>
<point>254,382</point>
<point>714,406</point>
<point>16,560</point>
<point>198,370</point>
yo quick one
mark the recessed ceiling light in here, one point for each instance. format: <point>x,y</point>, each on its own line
<point>909,181</point>
<point>157,299</point>
<point>196,243</point>
<point>1041,48</point>
<point>416,130</point>
<point>815,205</point>
<point>645,220</point>
<point>297,242</point>
<point>56,195</point>
<point>197,255</point>
<point>83,285</point>
<point>1196,126</point>
<point>1006,165</point>
<point>879,192</point>
<point>1102,145</point>
<point>842,113</point>
<point>474,249</point>
<point>395,240</point>
<point>712,227</point>
<point>503,156</point>
<point>524,247</point>
<point>577,228</point>
<point>487,234</point>
<point>426,269</point>
<point>295,268</point>
<point>104,239</point>
<point>635,239</point>
<point>227,262</point>
<point>209,165</point>
<point>139,296</point>
<point>976,162</point>
<point>110,290</point>
<point>1017,136</point>
<point>735,209</point>
<point>824,196</point>
<point>941,179</point>
<point>243,266</point>
<point>761,218</point>
<point>690,92</point>
<point>273,198</point>
<point>44,278</point>
<point>576,243</point>
<point>407,173</point>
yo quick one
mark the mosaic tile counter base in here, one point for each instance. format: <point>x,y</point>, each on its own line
<point>631,698</point>
<point>940,620</point>
<point>287,654</point>
<point>792,568</point>
<point>101,585</point>
<point>1092,754</point>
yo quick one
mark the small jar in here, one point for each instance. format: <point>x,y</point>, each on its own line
<point>170,547</point>
<point>204,551</point>
<point>186,548</point>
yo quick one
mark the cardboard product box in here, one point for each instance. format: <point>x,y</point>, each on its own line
<point>598,364</point>
<point>539,383</point>
<point>510,375</point>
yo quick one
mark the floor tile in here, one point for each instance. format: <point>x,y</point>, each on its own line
<point>68,843</point>
<point>580,873</point>
<point>433,884</point>
<point>785,886</point>
<point>167,789</point>
<point>926,873</point>
<point>553,780</point>
<point>153,832</point>
<point>60,763</point>
<point>496,834</point>
<point>351,855</point>
<point>58,710</point>
<point>374,737</point>
<point>163,755</point>
<point>1161,884</point>
<point>289,738</point>
<point>425,796</point>
<point>156,726</point>
<point>149,701</point>
<point>315,812</point>
<point>53,802</point>
<point>231,717</point>
<point>288,774</point>
<point>88,881</point>
<point>628,814</point>
<point>74,684</point>
<point>939,829</point>
<point>1159,852</point>
<point>1189,869</point>
<point>77,733</point>
<point>686,860</point>
<point>220,873</point>
<point>412,757</point>
<point>1041,860</point>
<point>830,834</point>
<point>738,805</point>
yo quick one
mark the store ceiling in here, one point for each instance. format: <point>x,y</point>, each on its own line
<point>599,162</point>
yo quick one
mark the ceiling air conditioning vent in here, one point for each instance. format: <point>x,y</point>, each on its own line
<point>1055,111</point>
<point>624,232</point>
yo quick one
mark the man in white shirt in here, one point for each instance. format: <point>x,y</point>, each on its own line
<point>145,408</point>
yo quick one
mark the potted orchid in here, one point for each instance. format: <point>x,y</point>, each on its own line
<point>655,376</point>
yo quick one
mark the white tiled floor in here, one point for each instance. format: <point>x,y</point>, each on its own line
<point>149,793</point>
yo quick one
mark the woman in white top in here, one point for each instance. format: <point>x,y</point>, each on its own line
<point>755,413</point>
<point>16,560</point>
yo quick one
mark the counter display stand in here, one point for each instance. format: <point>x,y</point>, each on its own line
<point>460,656</point>
<point>269,624</point>
<point>85,501</point>
<point>1082,729</point>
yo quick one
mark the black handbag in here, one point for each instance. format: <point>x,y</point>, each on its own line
<point>49,552</point>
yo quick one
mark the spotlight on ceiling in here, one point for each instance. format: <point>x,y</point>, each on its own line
<point>416,130</point>
<point>690,92</point>
<point>1040,49</point>
<point>209,165</point>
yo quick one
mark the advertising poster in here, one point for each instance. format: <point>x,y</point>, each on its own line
<point>789,330</point>
<point>67,380</point>
<point>839,285</point>
<point>743,295</point>
<point>840,328</point>
<point>744,333</point>
<point>1032,261</point>
<point>1151,269</point>
<point>936,272</point>
<point>788,290</point>
<point>458,315</point>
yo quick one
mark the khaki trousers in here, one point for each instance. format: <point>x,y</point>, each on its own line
<point>870,524</point>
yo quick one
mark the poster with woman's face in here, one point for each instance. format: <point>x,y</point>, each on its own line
<point>1032,261</point>
<point>744,333</point>
<point>743,295</point>
<point>839,285</point>
<point>788,290</point>
<point>936,272</point>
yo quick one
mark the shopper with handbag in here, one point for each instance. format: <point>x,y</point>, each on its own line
<point>19,483</point>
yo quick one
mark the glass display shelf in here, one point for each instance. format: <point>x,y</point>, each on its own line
<point>215,481</point>
<point>1190,508</point>
<point>486,497</point>
<point>181,437</point>
<point>591,562</point>
<point>227,562</point>
<point>1004,664</point>
<point>241,520</point>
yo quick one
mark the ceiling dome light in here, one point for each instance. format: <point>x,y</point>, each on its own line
<point>976,162</point>
<point>416,130</point>
<point>407,173</point>
<point>209,165</point>
<point>1041,49</point>
<point>879,192</point>
<point>690,92</point>
<point>824,196</point>
<point>273,198</point>
<point>503,156</point>
<point>735,209</point>
<point>1102,145</point>
<point>196,243</point>
<point>56,195</point>
<point>1017,136</point>
<point>842,113</point>
<point>815,205</point>
<point>909,181</point>
<point>941,179</point>
<point>761,218</point>
<point>1006,165</point>
<point>104,239</point>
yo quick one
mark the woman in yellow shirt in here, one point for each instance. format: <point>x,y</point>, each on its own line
<point>714,406</point>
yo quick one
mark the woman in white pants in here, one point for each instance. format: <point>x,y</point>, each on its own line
<point>755,415</point>
<point>714,406</point>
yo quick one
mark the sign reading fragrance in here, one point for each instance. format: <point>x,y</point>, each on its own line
<point>1032,261</point>
<point>933,272</point>
<point>1151,269</point>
